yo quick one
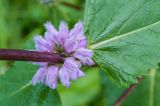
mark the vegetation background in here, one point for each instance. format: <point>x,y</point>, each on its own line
<point>20,20</point>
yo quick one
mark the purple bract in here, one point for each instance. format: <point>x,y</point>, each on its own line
<point>71,44</point>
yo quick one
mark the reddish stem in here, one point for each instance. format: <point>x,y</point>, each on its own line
<point>24,55</point>
<point>126,93</point>
<point>71,5</point>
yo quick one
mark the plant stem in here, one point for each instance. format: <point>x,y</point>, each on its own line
<point>34,56</point>
<point>71,5</point>
<point>126,93</point>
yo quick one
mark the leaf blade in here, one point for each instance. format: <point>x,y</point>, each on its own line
<point>16,88</point>
<point>124,40</point>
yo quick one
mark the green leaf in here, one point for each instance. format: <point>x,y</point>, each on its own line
<point>147,92</point>
<point>124,36</point>
<point>16,90</point>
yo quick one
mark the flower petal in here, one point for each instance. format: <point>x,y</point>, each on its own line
<point>70,45</point>
<point>87,61</point>
<point>50,28</point>
<point>79,64</point>
<point>77,30</point>
<point>64,76</point>
<point>73,75</point>
<point>73,68</point>
<point>83,53</point>
<point>51,33</point>
<point>63,33</point>
<point>80,73</point>
<point>70,63</point>
<point>85,56</point>
<point>52,77</point>
<point>82,42</point>
<point>40,76</point>
<point>42,44</point>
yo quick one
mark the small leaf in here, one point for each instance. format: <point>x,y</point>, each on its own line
<point>124,36</point>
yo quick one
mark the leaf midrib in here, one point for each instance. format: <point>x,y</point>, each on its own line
<point>20,89</point>
<point>96,45</point>
<point>152,85</point>
<point>17,91</point>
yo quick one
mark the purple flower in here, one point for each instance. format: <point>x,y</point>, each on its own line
<point>71,45</point>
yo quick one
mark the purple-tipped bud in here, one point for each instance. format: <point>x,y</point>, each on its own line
<point>42,44</point>
<point>77,30</point>
<point>64,76</point>
<point>51,33</point>
<point>40,76</point>
<point>63,32</point>
<point>83,53</point>
<point>52,76</point>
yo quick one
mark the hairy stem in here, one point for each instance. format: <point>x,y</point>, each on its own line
<point>126,93</point>
<point>34,56</point>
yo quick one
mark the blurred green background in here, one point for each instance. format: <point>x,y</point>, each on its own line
<point>21,20</point>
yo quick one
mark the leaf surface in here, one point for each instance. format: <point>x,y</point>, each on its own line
<point>16,89</point>
<point>124,36</point>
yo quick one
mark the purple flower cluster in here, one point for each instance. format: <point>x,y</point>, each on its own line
<point>71,44</point>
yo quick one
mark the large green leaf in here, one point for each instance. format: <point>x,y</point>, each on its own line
<point>16,90</point>
<point>124,36</point>
<point>147,92</point>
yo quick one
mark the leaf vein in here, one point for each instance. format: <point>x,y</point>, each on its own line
<point>96,45</point>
